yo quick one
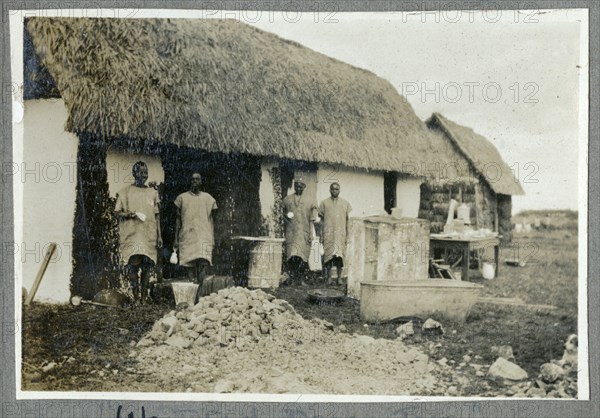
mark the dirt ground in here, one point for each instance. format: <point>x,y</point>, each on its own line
<point>92,348</point>
<point>99,357</point>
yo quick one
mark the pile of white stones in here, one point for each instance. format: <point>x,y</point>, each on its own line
<point>235,317</point>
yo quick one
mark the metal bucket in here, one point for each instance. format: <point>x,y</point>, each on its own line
<point>488,270</point>
<point>185,292</point>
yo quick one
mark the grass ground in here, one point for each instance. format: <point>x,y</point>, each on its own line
<point>97,337</point>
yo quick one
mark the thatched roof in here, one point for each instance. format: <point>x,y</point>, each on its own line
<point>225,86</point>
<point>481,153</point>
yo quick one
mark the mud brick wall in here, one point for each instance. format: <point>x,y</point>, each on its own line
<point>487,206</point>
<point>504,218</point>
<point>435,200</point>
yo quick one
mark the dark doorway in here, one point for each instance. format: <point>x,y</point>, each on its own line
<point>291,168</point>
<point>390,180</point>
<point>233,180</point>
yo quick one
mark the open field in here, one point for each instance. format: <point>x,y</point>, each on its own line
<point>91,345</point>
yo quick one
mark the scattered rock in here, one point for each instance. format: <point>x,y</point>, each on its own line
<point>535,392</point>
<point>504,351</point>
<point>540,384</point>
<point>479,373</point>
<point>505,372</point>
<point>431,326</point>
<point>328,325</point>
<point>224,386</point>
<point>442,361</point>
<point>551,372</point>
<point>49,367</point>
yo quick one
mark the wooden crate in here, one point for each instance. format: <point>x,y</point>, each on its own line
<point>388,249</point>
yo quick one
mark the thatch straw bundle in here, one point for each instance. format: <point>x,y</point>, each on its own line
<point>223,86</point>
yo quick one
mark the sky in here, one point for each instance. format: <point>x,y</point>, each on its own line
<point>512,76</point>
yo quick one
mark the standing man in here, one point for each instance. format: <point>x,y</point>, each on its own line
<point>299,212</point>
<point>194,232</point>
<point>334,210</point>
<point>139,230</point>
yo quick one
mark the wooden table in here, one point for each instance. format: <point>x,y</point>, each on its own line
<point>466,245</point>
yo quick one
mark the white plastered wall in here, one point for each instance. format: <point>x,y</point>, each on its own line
<point>363,189</point>
<point>408,195</point>
<point>47,174</point>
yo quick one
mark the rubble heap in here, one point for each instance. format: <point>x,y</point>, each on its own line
<point>240,340</point>
<point>235,317</point>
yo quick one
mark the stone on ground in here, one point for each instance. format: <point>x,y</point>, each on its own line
<point>503,371</point>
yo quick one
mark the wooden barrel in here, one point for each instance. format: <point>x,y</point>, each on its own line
<point>264,269</point>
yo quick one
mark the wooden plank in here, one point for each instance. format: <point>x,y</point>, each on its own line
<point>40,275</point>
<point>512,302</point>
<point>484,299</point>
<point>90,302</point>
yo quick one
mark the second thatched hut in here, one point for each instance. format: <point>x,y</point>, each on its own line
<point>477,175</point>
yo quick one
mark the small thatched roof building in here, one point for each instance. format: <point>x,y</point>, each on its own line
<point>489,183</point>
<point>245,108</point>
